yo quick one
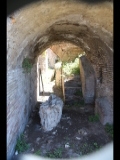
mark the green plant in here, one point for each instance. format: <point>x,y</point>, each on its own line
<point>38,152</point>
<point>27,65</point>
<point>21,145</point>
<point>66,139</point>
<point>55,154</point>
<point>78,93</point>
<point>71,67</point>
<point>96,145</point>
<point>79,104</point>
<point>109,129</point>
<point>88,148</point>
<point>82,102</point>
<point>94,118</point>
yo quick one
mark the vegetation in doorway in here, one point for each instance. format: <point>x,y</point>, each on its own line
<point>27,65</point>
<point>78,93</point>
<point>21,145</point>
<point>93,118</point>
<point>109,129</point>
<point>80,104</point>
<point>71,67</point>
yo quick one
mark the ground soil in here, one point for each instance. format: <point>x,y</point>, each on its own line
<point>74,136</point>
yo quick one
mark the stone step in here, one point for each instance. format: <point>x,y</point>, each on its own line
<point>74,100</point>
<point>73,91</point>
<point>72,83</point>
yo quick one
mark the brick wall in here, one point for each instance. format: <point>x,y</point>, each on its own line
<point>21,98</point>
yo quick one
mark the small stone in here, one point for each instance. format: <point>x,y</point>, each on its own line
<point>78,138</point>
<point>82,132</point>
<point>25,136</point>
<point>59,126</point>
<point>68,118</point>
<point>30,121</point>
<point>38,139</point>
<point>54,132</point>
<point>32,150</point>
<point>63,118</point>
<point>49,141</point>
<point>81,107</point>
<point>67,145</point>
<point>75,155</point>
<point>16,153</point>
<point>69,122</point>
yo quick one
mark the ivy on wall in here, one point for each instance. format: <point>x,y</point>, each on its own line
<point>27,65</point>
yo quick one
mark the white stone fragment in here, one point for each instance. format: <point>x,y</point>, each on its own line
<point>50,112</point>
<point>78,138</point>
<point>16,153</point>
<point>67,145</point>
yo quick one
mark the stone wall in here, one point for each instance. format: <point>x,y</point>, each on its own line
<point>88,80</point>
<point>52,57</point>
<point>21,98</point>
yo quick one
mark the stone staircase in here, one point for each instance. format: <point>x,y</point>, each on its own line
<point>73,91</point>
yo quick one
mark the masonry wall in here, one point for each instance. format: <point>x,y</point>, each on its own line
<point>66,52</point>
<point>88,80</point>
<point>21,98</point>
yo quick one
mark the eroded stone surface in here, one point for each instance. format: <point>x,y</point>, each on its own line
<point>104,109</point>
<point>50,112</point>
<point>88,80</point>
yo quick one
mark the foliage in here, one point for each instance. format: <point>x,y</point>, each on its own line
<point>94,118</point>
<point>27,65</point>
<point>80,104</point>
<point>71,67</point>
<point>88,148</point>
<point>21,145</point>
<point>55,154</point>
<point>78,93</point>
<point>38,152</point>
<point>109,129</point>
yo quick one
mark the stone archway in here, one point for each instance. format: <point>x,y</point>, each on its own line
<point>39,25</point>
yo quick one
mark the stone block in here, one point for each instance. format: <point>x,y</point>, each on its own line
<point>88,80</point>
<point>50,112</point>
<point>104,108</point>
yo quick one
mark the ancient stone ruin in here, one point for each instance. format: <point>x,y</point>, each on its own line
<point>32,29</point>
<point>50,112</point>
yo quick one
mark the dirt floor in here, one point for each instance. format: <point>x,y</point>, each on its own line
<point>74,136</point>
<point>79,131</point>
